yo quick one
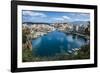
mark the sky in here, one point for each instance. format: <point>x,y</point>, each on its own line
<point>53,17</point>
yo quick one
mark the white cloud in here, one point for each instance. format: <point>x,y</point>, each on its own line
<point>58,19</point>
<point>66,17</point>
<point>32,13</point>
<point>84,14</point>
<point>62,18</point>
<point>81,19</point>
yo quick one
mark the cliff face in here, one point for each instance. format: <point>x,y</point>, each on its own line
<point>26,40</point>
<point>27,45</point>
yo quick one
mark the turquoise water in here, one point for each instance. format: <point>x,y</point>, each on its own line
<point>55,42</point>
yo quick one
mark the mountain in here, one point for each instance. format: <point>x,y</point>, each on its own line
<point>80,22</point>
<point>30,23</point>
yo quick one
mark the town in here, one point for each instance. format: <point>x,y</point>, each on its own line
<point>36,30</point>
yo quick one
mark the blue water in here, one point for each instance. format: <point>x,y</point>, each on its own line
<point>56,42</point>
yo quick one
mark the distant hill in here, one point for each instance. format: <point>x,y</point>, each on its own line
<point>71,23</point>
<point>79,22</point>
<point>30,23</point>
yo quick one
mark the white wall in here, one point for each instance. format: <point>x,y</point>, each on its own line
<point>5,37</point>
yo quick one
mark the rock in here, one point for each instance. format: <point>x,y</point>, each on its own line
<point>27,45</point>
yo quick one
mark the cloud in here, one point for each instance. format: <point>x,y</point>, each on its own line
<point>62,18</point>
<point>84,14</point>
<point>66,17</point>
<point>81,19</point>
<point>58,19</point>
<point>34,14</point>
<point>79,16</point>
<point>76,14</point>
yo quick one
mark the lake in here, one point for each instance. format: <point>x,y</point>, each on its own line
<point>57,42</point>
